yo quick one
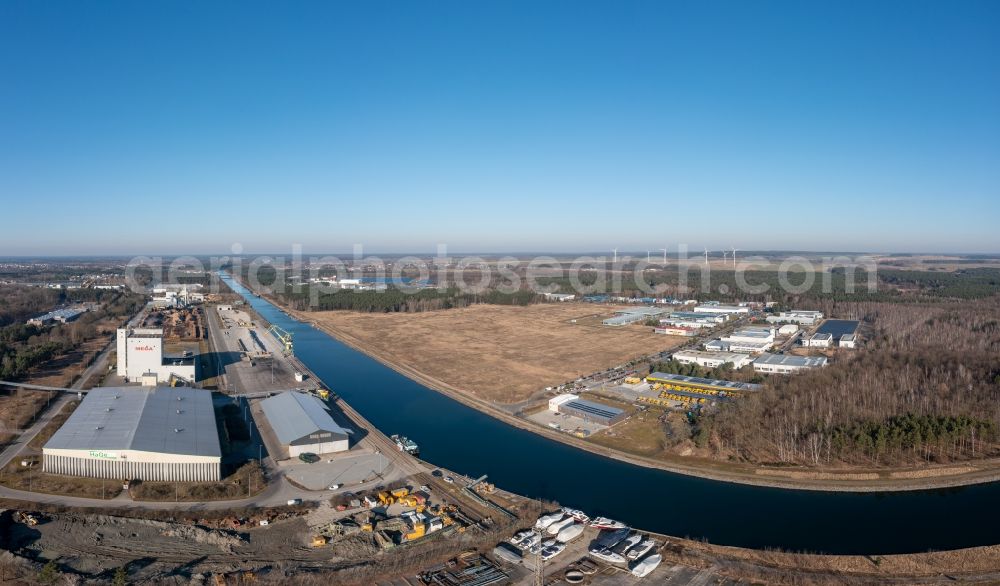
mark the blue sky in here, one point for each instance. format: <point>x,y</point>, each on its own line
<point>183,127</point>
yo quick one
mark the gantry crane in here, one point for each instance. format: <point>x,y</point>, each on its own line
<point>284,336</point>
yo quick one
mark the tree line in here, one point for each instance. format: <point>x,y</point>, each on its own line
<point>927,389</point>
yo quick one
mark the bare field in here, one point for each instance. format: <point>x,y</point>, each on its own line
<point>494,352</point>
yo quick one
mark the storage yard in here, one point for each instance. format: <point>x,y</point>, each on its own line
<point>494,352</point>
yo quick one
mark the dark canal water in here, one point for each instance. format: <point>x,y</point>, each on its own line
<point>462,439</point>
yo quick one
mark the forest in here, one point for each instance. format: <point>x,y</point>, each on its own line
<point>925,389</point>
<point>23,347</point>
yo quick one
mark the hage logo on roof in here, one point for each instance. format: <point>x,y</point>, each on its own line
<point>104,455</point>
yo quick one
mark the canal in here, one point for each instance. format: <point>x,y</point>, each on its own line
<point>462,439</point>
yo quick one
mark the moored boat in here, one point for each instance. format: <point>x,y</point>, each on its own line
<point>642,568</point>
<point>606,523</point>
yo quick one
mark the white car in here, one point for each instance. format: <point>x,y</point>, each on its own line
<point>335,486</point>
<point>449,479</point>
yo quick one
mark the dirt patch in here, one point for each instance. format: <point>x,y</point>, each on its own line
<point>499,353</point>
<point>818,475</point>
<point>932,472</point>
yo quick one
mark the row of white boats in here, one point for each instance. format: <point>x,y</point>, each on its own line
<point>616,543</point>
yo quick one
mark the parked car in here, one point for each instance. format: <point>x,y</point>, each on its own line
<point>309,457</point>
<point>335,486</point>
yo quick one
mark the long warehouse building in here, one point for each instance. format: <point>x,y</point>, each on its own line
<point>303,424</point>
<point>159,434</point>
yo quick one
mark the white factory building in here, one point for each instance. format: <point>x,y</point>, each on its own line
<point>158,434</point>
<point>303,424</point>
<point>796,316</point>
<point>140,358</point>
<point>848,341</point>
<point>786,363</point>
<point>623,317</point>
<point>712,359</point>
<point>818,341</point>
<point>723,309</point>
<point>751,340</point>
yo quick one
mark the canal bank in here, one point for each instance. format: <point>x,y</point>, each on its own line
<point>461,438</point>
<point>789,477</point>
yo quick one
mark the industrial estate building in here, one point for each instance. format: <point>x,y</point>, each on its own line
<point>140,358</point>
<point>751,340</point>
<point>303,424</point>
<point>818,340</point>
<point>786,363</point>
<point>693,389</point>
<point>64,315</point>
<point>712,359</point>
<point>159,434</point>
<point>796,316</point>
<point>848,341</point>
<point>676,330</point>
<point>722,309</point>
<point>574,406</point>
<point>623,317</point>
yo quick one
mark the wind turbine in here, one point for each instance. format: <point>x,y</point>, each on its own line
<point>664,255</point>
<point>706,256</point>
<point>723,257</point>
<point>647,257</point>
<point>734,258</point>
<point>615,251</point>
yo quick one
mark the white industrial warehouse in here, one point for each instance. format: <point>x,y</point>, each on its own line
<point>140,358</point>
<point>786,363</point>
<point>712,359</point>
<point>159,434</point>
<point>303,424</point>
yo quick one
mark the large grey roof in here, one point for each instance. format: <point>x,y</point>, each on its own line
<point>295,415</point>
<point>790,360</point>
<point>173,420</point>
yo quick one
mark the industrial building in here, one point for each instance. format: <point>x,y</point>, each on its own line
<point>848,341</point>
<point>303,424</point>
<point>751,340</point>
<point>818,340</point>
<point>559,296</point>
<point>786,363</point>
<point>675,330</point>
<point>710,318</point>
<point>693,389</point>
<point>796,316</point>
<point>158,434</point>
<point>712,359</point>
<point>722,309</point>
<point>140,358</point>
<point>574,406</point>
<point>623,317</point>
<point>787,329</point>
<point>64,315</point>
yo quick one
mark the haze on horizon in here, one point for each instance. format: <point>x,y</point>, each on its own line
<point>183,128</point>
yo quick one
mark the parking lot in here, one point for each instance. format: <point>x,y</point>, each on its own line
<point>566,423</point>
<point>359,465</point>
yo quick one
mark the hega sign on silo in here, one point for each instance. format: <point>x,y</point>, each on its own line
<point>104,455</point>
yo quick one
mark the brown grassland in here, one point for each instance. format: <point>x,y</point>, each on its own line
<point>497,352</point>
